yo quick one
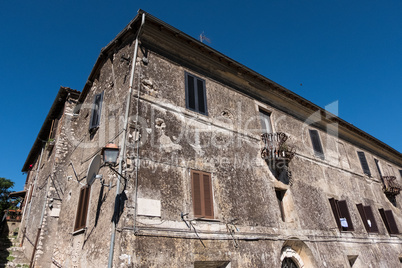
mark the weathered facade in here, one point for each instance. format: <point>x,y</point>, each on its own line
<point>197,184</point>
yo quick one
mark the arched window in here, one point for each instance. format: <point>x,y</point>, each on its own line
<point>288,263</point>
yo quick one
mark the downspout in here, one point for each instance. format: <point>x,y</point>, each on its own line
<point>33,191</point>
<point>123,144</point>
<point>40,223</point>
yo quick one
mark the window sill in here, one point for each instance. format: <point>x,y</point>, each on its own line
<point>206,219</point>
<point>79,231</point>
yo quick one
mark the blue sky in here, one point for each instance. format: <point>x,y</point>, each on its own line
<point>324,50</point>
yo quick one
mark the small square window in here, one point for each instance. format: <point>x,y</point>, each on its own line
<point>315,140</point>
<point>196,99</point>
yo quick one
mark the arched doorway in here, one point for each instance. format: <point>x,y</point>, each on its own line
<point>289,263</point>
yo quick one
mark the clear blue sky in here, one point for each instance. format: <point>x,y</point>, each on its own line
<point>339,50</point>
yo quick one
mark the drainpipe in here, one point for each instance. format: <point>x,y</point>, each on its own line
<point>40,223</point>
<point>123,149</point>
<point>33,191</point>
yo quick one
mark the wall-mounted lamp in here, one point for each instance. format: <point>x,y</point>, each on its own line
<point>110,153</point>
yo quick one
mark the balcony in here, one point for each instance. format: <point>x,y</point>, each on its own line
<point>13,215</point>
<point>391,187</point>
<point>277,153</point>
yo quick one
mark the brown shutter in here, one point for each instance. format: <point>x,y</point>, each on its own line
<point>197,198</point>
<point>334,207</point>
<point>384,219</point>
<point>393,228</point>
<point>370,216</point>
<point>362,213</point>
<point>82,210</point>
<point>344,213</point>
<point>208,202</point>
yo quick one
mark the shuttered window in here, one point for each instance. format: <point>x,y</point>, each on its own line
<point>364,163</point>
<point>96,112</point>
<point>82,210</point>
<point>315,140</point>
<point>368,218</point>
<point>389,221</point>
<point>341,214</point>
<point>202,194</point>
<point>196,99</point>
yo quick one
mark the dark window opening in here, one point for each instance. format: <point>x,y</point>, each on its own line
<point>315,140</point>
<point>288,263</point>
<point>279,196</point>
<point>341,214</point>
<point>368,218</point>
<point>82,210</point>
<point>96,112</point>
<point>352,259</point>
<point>202,194</point>
<point>364,164</point>
<point>389,221</point>
<point>211,264</point>
<point>196,99</point>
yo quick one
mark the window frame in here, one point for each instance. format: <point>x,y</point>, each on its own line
<point>340,210</point>
<point>196,94</point>
<point>316,142</point>
<point>94,122</point>
<point>366,214</point>
<point>263,114</point>
<point>202,195</point>
<point>363,163</point>
<point>82,208</point>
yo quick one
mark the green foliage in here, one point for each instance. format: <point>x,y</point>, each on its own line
<point>5,185</point>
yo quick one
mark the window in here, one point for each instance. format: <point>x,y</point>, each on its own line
<point>96,112</point>
<point>400,173</point>
<point>279,196</point>
<point>389,221</point>
<point>265,118</point>
<point>378,167</point>
<point>364,164</point>
<point>196,99</point>
<point>315,140</point>
<point>341,214</point>
<point>82,210</point>
<point>368,218</point>
<point>202,194</point>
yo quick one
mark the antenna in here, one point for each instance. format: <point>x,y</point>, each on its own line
<point>204,38</point>
<point>93,169</point>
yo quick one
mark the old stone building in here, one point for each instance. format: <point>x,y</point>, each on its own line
<point>217,166</point>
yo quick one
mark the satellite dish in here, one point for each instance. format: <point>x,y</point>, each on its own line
<point>93,169</point>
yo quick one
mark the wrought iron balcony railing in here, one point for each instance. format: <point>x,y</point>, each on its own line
<point>275,147</point>
<point>391,187</point>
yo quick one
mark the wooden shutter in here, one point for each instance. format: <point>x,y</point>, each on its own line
<point>82,210</point>
<point>384,219</point>
<point>197,197</point>
<point>393,228</point>
<point>360,208</point>
<point>202,194</point>
<point>202,104</point>
<point>344,213</point>
<point>364,164</point>
<point>335,211</point>
<point>315,140</point>
<point>208,202</point>
<point>370,216</point>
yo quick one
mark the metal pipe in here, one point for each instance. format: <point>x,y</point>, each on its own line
<point>123,144</point>
<point>33,190</point>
